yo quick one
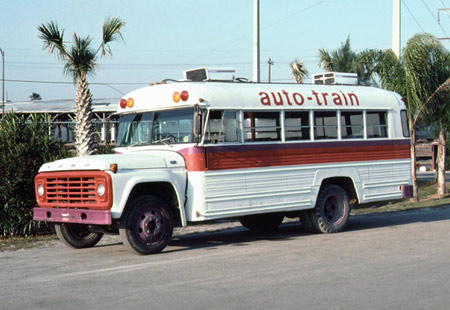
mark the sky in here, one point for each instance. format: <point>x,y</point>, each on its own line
<point>164,38</point>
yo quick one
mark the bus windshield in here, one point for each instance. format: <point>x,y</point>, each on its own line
<point>172,126</point>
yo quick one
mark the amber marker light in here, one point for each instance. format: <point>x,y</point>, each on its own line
<point>113,168</point>
<point>176,96</point>
<point>130,102</point>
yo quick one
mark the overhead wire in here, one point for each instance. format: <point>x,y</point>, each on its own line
<point>434,17</point>
<point>412,15</point>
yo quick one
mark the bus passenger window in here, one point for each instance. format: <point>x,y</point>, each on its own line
<point>352,125</point>
<point>296,126</point>
<point>405,124</point>
<point>214,127</point>
<point>222,127</point>
<point>325,125</point>
<point>376,125</point>
<point>231,127</point>
<point>262,126</point>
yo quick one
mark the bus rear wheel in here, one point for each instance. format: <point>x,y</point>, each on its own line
<point>147,226</point>
<point>77,236</point>
<point>332,210</point>
<point>262,222</point>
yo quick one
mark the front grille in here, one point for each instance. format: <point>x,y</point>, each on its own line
<point>78,190</point>
<point>74,189</point>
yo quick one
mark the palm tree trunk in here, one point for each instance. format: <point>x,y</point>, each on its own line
<point>413,160</point>
<point>441,164</point>
<point>83,112</point>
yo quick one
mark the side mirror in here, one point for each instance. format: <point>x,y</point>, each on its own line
<point>197,123</point>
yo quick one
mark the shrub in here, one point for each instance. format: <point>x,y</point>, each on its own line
<point>25,144</point>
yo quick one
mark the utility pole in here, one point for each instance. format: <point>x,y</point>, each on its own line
<point>396,28</point>
<point>439,20</point>
<point>256,74</point>
<point>3,81</point>
<point>270,62</point>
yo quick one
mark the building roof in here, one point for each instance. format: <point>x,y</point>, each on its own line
<point>59,106</point>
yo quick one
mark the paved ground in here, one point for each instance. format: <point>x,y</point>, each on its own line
<point>385,261</point>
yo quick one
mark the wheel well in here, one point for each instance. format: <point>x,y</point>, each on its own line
<point>162,190</point>
<point>346,183</point>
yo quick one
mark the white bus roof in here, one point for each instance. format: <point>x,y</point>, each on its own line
<point>260,96</point>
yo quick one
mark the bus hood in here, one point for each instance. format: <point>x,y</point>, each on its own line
<point>144,160</point>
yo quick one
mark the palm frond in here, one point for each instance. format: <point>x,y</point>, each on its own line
<point>80,58</point>
<point>53,39</point>
<point>299,71</point>
<point>111,32</point>
<point>325,60</point>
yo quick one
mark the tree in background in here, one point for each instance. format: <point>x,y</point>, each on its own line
<point>298,71</point>
<point>35,96</point>
<point>25,145</point>
<point>344,59</point>
<point>419,76</point>
<point>81,60</point>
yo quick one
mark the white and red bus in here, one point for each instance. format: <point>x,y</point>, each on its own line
<point>196,151</point>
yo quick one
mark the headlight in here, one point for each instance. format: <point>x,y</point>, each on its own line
<point>40,190</point>
<point>101,190</point>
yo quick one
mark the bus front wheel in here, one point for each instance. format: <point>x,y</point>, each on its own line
<point>332,210</point>
<point>147,226</point>
<point>77,236</point>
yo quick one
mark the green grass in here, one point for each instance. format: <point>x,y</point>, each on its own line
<point>427,198</point>
<point>18,243</point>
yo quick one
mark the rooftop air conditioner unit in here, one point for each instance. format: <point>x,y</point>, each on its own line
<point>202,74</point>
<point>335,78</point>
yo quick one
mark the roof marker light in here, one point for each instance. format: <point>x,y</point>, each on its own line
<point>184,95</point>
<point>130,102</point>
<point>176,96</point>
<point>123,103</point>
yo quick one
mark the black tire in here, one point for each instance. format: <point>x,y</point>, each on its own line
<point>147,227</point>
<point>262,222</point>
<point>332,209</point>
<point>306,221</point>
<point>77,236</point>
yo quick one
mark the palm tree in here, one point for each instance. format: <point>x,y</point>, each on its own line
<point>81,60</point>
<point>298,70</point>
<point>344,59</point>
<point>420,76</point>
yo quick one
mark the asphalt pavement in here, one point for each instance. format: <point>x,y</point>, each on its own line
<point>396,260</point>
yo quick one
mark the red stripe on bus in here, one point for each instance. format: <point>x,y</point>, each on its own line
<point>240,157</point>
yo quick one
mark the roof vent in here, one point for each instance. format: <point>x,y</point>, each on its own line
<point>335,78</point>
<point>204,74</point>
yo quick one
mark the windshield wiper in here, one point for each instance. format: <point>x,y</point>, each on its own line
<point>163,140</point>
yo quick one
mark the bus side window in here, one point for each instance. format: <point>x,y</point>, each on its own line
<point>231,127</point>
<point>297,126</point>
<point>262,126</point>
<point>214,127</point>
<point>352,125</point>
<point>405,125</point>
<point>376,125</point>
<point>222,127</point>
<point>325,125</point>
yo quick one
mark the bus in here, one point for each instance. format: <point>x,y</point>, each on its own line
<point>191,151</point>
